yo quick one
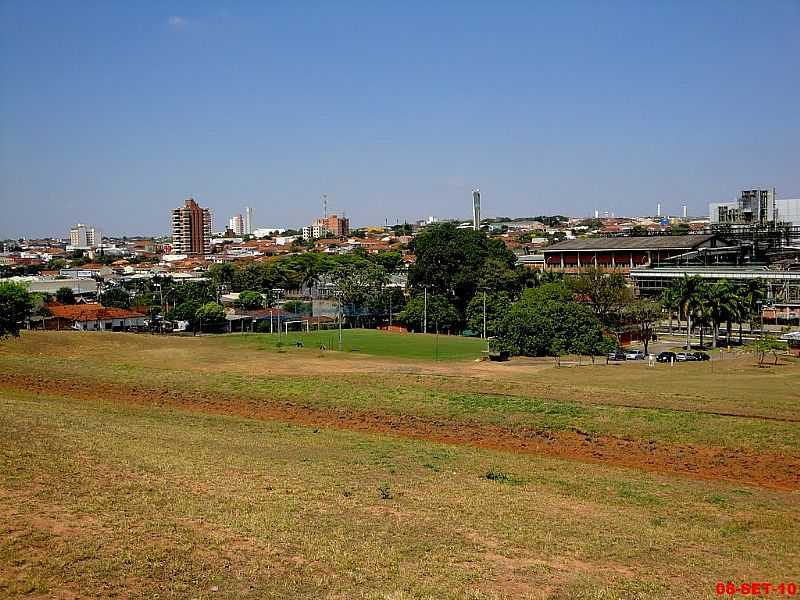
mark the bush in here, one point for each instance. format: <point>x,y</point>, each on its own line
<point>385,492</point>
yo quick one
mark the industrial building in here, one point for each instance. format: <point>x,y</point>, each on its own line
<point>625,253</point>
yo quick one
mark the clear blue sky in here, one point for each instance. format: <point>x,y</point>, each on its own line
<point>111,113</point>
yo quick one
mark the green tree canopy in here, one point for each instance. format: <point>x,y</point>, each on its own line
<point>210,316</point>
<point>440,313</point>
<point>116,297</point>
<point>358,283</point>
<point>451,261</point>
<point>250,300</point>
<point>16,304</point>
<point>65,295</point>
<point>498,304</point>
<point>546,322</point>
<point>645,314</point>
<point>607,293</point>
<point>390,261</point>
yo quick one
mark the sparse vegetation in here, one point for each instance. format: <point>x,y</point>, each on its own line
<point>222,467</point>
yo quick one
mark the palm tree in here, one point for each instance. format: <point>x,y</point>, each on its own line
<point>754,293</point>
<point>721,300</point>
<point>669,300</point>
<point>703,310</point>
<point>689,290</point>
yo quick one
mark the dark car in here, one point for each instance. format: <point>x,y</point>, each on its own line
<point>701,356</point>
<point>665,357</point>
<point>616,355</point>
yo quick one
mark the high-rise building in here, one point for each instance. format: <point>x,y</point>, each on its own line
<point>83,236</point>
<point>248,220</point>
<point>476,209</point>
<point>237,224</point>
<point>332,225</point>
<point>191,229</point>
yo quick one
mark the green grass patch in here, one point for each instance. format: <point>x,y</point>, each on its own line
<point>365,341</point>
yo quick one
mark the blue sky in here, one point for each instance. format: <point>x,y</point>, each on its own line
<point>112,113</point>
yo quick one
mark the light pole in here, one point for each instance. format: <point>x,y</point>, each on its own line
<point>425,311</point>
<point>339,295</point>
<point>484,314</point>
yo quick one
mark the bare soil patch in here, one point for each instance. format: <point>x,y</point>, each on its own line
<point>774,471</point>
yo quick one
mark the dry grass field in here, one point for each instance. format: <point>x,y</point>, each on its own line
<point>225,467</point>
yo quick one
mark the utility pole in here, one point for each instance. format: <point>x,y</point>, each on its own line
<point>340,322</point>
<point>390,309</point>
<point>425,312</point>
<point>484,314</point>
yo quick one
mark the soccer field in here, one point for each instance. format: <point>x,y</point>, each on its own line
<point>376,343</point>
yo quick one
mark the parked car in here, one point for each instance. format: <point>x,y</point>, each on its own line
<point>634,355</point>
<point>701,356</point>
<point>682,356</point>
<point>665,357</point>
<point>616,355</point>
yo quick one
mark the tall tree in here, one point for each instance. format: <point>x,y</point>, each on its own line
<point>16,304</point>
<point>357,284</point>
<point>689,291</point>
<point>450,261</point>
<point>645,314</point>
<point>546,322</point>
<point>607,293</point>
<point>669,301</point>
<point>496,307</point>
<point>222,275</point>
<point>440,313</point>
<point>754,294</point>
<point>722,306</point>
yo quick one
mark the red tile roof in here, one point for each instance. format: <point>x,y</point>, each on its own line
<point>91,312</point>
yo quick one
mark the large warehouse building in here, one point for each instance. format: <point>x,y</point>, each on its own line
<point>625,253</point>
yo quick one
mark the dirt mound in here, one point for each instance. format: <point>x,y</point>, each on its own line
<point>763,469</point>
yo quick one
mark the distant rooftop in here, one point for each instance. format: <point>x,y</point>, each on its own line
<point>651,242</point>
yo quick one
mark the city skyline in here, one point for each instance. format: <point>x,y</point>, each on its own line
<point>395,114</point>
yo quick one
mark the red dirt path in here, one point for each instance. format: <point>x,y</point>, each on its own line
<point>743,467</point>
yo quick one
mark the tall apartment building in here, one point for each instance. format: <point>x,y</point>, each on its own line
<point>237,224</point>
<point>191,229</point>
<point>248,220</point>
<point>83,236</point>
